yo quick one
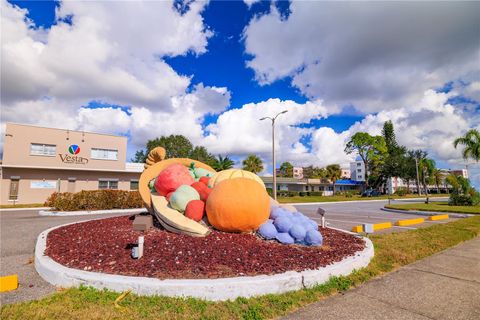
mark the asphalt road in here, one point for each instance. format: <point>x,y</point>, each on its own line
<point>20,228</point>
<point>346,215</point>
<point>19,232</point>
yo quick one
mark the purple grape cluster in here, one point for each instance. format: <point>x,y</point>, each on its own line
<point>290,227</point>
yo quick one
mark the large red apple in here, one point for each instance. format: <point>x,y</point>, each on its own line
<point>171,178</point>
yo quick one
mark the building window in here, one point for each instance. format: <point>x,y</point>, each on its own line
<point>360,177</point>
<point>13,194</point>
<point>359,170</point>
<point>358,164</point>
<point>107,184</point>
<point>40,149</point>
<point>133,184</point>
<point>306,188</point>
<point>104,154</point>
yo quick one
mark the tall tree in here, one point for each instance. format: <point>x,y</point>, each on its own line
<point>253,164</point>
<point>222,163</point>
<point>333,173</point>
<point>471,143</point>
<point>426,168</point>
<point>286,170</point>
<point>312,172</point>
<point>388,135</point>
<point>140,156</point>
<point>176,146</point>
<point>437,178</point>
<point>370,149</point>
<point>394,159</point>
<point>201,154</point>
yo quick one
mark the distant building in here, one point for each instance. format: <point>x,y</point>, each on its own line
<point>460,172</point>
<point>346,174</point>
<point>313,185</point>
<point>357,171</point>
<point>298,172</point>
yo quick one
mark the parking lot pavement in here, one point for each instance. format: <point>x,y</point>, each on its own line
<point>346,215</point>
<point>19,231</point>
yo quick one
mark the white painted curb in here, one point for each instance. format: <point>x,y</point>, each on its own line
<point>23,209</point>
<point>86,213</point>
<point>209,289</point>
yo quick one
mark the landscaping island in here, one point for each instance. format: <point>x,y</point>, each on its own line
<point>436,207</point>
<point>105,246</point>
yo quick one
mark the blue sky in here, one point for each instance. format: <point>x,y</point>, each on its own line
<point>209,71</point>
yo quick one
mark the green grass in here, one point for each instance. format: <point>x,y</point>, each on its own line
<point>27,205</point>
<point>437,206</point>
<point>391,252</point>
<point>299,199</point>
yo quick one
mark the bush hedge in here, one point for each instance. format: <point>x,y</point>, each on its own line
<point>94,200</point>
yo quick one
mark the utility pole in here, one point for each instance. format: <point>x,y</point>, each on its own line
<point>274,188</point>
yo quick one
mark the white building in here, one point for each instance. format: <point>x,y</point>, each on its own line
<point>346,173</point>
<point>298,172</point>
<point>357,170</point>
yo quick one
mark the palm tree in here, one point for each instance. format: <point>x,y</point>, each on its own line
<point>437,177</point>
<point>471,141</point>
<point>426,168</point>
<point>333,174</point>
<point>253,164</point>
<point>222,163</point>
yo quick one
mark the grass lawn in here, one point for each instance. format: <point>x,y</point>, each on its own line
<point>437,206</point>
<point>299,199</point>
<point>391,252</point>
<point>28,205</point>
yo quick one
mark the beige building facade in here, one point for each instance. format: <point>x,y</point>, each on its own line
<point>38,161</point>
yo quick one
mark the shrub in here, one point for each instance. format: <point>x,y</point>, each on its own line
<point>95,200</point>
<point>460,200</point>
<point>316,193</point>
<point>401,191</point>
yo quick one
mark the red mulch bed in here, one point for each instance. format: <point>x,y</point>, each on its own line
<point>105,246</point>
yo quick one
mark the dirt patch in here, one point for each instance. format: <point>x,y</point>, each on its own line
<point>105,246</point>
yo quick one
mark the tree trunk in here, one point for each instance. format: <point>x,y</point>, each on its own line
<point>408,186</point>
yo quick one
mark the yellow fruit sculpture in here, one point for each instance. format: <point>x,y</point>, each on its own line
<point>233,173</point>
<point>238,205</point>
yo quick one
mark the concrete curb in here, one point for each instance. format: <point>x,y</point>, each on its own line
<point>21,209</point>
<point>355,201</point>
<point>86,213</point>
<point>209,289</point>
<point>428,213</point>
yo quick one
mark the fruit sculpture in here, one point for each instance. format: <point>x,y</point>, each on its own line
<point>233,173</point>
<point>179,192</point>
<point>238,205</point>
<point>290,227</point>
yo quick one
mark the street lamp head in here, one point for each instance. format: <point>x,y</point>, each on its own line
<point>263,118</point>
<point>284,111</point>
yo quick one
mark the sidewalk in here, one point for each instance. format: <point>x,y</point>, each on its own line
<point>443,286</point>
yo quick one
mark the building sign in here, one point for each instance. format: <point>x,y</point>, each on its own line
<point>73,157</point>
<point>48,184</point>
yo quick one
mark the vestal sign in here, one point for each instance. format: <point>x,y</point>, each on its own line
<point>74,150</point>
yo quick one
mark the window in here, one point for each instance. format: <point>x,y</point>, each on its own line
<point>104,154</point>
<point>133,184</point>
<point>13,194</point>
<point>358,164</point>
<point>360,177</point>
<point>107,184</point>
<point>40,149</point>
<point>359,170</point>
<point>306,188</point>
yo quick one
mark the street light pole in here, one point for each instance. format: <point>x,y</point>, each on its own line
<point>274,188</point>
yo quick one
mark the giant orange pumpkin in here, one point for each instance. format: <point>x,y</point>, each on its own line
<point>238,205</point>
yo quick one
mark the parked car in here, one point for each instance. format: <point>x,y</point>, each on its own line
<point>371,193</point>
